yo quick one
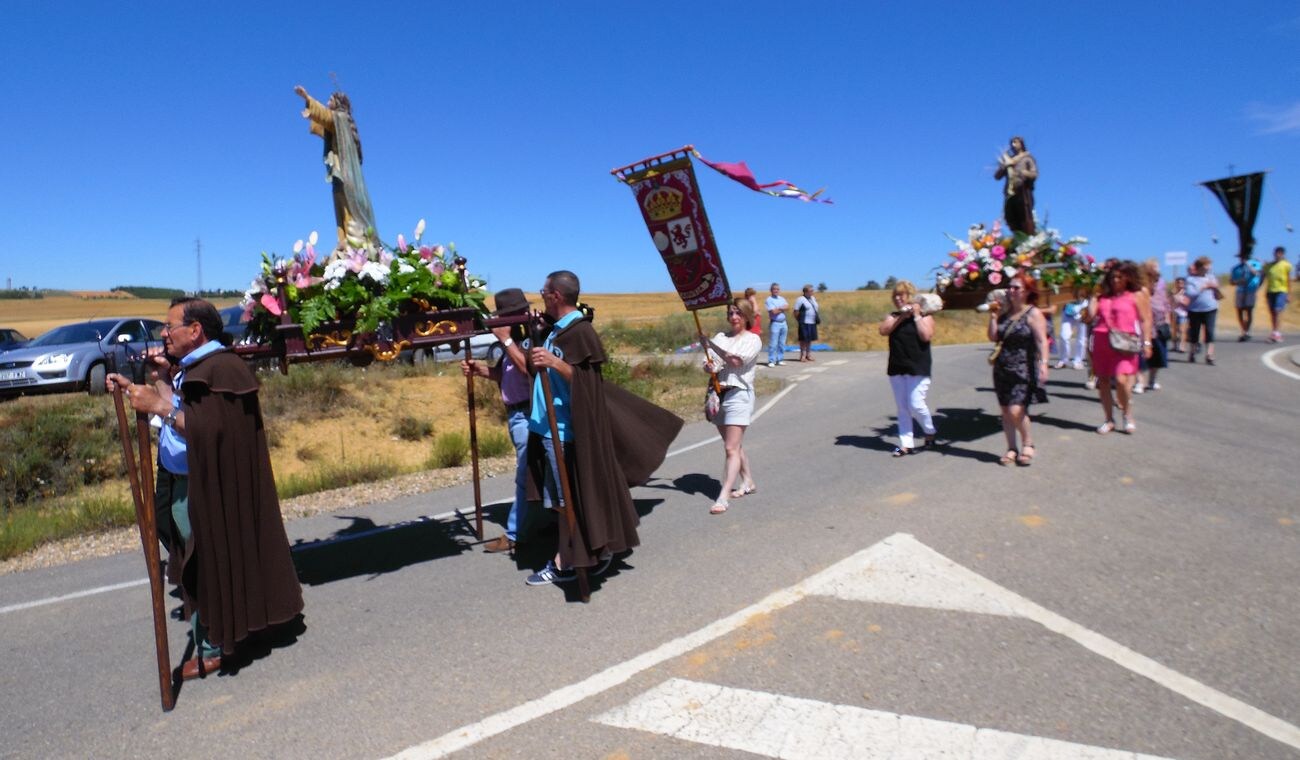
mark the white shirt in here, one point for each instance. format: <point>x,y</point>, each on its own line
<point>747,346</point>
<point>810,309</point>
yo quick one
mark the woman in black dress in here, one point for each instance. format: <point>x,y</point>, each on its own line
<point>1021,365</point>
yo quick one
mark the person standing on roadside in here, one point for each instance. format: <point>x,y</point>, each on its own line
<point>1277,275</point>
<point>1245,276</point>
<point>511,374</point>
<point>756,327</point>
<point>805,307</point>
<point>237,576</point>
<point>776,306</point>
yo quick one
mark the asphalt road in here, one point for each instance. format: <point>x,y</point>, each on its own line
<point>1125,594</point>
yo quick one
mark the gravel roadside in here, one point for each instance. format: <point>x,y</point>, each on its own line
<point>128,539</point>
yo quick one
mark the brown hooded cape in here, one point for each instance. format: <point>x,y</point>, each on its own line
<point>619,439</point>
<point>238,572</point>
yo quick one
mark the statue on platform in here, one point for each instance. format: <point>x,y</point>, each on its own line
<point>333,123</point>
<point>1020,171</point>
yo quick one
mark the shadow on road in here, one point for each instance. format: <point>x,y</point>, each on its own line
<point>364,548</point>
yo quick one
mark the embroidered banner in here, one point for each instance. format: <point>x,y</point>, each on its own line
<point>1240,198</point>
<point>670,203</point>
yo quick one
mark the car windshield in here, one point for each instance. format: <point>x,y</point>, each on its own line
<point>233,316</point>
<point>85,332</point>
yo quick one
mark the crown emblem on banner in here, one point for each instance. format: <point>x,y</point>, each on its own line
<point>663,203</point>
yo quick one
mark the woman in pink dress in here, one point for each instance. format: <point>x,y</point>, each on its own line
<point>1116,308</point>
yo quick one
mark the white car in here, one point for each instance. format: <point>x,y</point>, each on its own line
<point>483,346</point>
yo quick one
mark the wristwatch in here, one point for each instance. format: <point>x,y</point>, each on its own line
<point>170,419</point>
<point>508,342</point>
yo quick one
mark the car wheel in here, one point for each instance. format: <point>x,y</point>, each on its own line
<point>420,355</point>
<point>95,379</point>
<point>494,353</point>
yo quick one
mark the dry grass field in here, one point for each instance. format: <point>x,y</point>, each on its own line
<point>34,316</point>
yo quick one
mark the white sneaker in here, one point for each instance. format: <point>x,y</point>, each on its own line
<point>1137,388</point>
<point>1076,365</point>
<point>779,364</point>
<point>769,364</point>
<point>1091,384</point>
<point>1155,386</point>
<point>1059,365</point>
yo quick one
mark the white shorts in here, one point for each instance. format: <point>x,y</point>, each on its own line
<point>737,407</point>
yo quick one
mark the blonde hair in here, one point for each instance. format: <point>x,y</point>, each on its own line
<point>906,288</point>
<point>746,310</point>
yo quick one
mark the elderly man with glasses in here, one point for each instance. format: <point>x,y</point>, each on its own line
<point>227,547</point>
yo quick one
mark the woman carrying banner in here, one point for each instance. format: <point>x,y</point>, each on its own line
<point>732,356</point>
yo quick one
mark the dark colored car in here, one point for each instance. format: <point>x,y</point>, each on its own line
<point>11,338</point>
<point>231,319</point>
<point>77,356</point>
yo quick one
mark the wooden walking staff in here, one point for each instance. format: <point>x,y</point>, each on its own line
<point>562,471</point>
<point>140,473</point>
<point>459,263</point>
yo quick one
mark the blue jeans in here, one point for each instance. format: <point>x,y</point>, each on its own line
<point>776,345</point>
<point>518,423</point>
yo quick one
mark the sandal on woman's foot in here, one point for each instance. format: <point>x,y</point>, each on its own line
<point>741,493</point>
<point>929,441</point>
<point>1026,457</point>
<point>1106,427</point>
<point>1129,427</point>
<point>718,508</point>
<point>1008,458</point>
<point>899,451</point>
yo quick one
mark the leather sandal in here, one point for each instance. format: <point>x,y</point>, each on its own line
<point>1008,458</point>
<point>718,508</point>
<point>899,451</point>
<point>1106,427</point>
<point>1026,457</point>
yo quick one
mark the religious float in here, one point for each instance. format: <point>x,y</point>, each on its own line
<point>988,256</point>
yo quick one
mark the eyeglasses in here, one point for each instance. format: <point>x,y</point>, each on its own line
<point>167,327</point>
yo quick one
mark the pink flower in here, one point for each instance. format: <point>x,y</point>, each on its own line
<point>1091,260</point>
<point>437,267</point>
<point>1068,250</point>
<point>972,267</point>
<point>996,266</point>
<point>998,252</point>
<point>401,242</point>
<point>270,303</point>
<point>959,282</point>
<point>426,253</point>
<point>356,260</point>
<point>994,278</point>
<point>248,312</point>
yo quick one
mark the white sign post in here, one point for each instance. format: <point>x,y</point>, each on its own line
<point>1175,259</point>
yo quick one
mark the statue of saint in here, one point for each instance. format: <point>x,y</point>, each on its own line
<point>333,123</point>
<point>1020,171</point>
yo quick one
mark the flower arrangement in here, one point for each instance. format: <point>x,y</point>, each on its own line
<point>367,282</point>
<point>988,257</point>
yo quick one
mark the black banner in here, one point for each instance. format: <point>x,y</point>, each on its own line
<point>1240,198</point>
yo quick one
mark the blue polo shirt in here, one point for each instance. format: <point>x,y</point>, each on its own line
<point>538,422</point>
<point>171,445</point>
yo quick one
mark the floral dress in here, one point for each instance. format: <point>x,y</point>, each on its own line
<point>1013,370</point>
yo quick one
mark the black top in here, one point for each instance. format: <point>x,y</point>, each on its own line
<point>908,354</point>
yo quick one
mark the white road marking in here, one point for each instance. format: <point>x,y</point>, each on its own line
<point>884,571</point>
<point>753,417</point>
<point>837,362</point>
<point>73,595</point>
<point>793,728</point>
<point>814,369</point>
<point>803,377</point>
<point>893,552</point>
<point>1270,361</point>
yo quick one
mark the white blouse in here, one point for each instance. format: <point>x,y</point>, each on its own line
<point>747,346</point>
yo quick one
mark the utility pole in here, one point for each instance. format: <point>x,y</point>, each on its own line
<point>198,264</point>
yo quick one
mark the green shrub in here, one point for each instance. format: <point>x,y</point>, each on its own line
<point>51,449</point>
<point>309,392</point>
<point>494,443</point>
<point>335,476</point>
<point>661,335</point>
<point>25,529</point>
<point>412,428</point>
<point>450,449</point>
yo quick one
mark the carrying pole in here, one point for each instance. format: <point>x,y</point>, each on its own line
<point>562,471</point>
<point>704,345</point>
<point>140,473</point>
<point>473,448</point>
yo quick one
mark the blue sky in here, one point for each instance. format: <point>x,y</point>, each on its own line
<point>133,128</point>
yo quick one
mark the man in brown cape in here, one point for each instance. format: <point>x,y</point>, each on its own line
<point>236,573</point>
<point>611,438</point>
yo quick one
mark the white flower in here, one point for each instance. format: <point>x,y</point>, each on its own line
<point>297,247</point>
<point>419,229</point>
<point>375,271</point>
<point>335,271</point>
<point>280,264</point>
<point>312,238</point>
<point>404,268</point>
